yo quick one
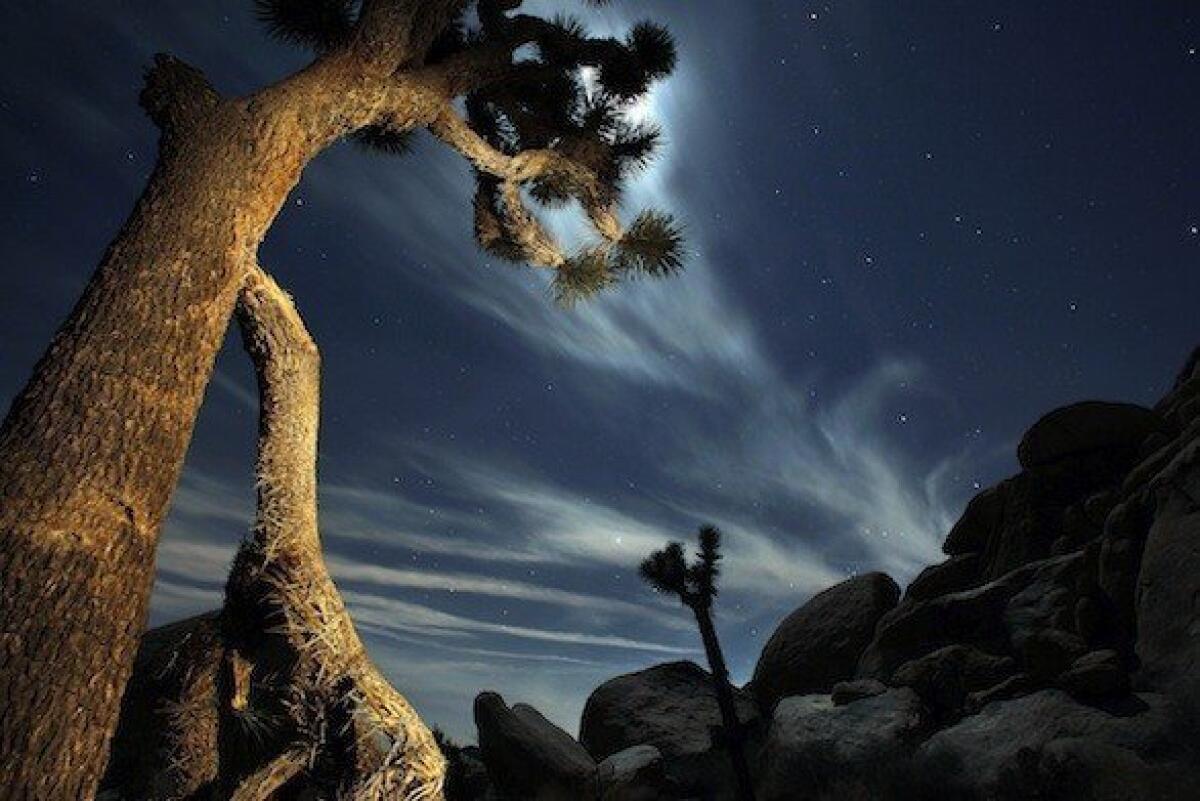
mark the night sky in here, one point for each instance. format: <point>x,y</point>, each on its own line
<point>914,227</point>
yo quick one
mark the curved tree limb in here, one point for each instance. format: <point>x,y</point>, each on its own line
<point>294,694</point>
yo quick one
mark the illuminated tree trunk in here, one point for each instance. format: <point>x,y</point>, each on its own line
<point>92,447</point>
<point>289,682</point>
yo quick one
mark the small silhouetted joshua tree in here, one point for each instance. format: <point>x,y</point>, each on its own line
<point>696,585</point>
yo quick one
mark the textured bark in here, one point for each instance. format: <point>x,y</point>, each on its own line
<point>92,447</point>
<point>287,670</point>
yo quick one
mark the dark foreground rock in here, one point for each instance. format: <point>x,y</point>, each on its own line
<point>1048,746</point>
<point>673,708</point>
<point>815,749</point>
<point>527,756</point>
<point>635,774</point>
<point>819,644</point>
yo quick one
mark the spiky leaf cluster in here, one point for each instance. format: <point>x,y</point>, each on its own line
<point>582,277</point>
<point>318,24</point>
<point>652,245</point>
<point>667,570</point>
<point>382,138</point>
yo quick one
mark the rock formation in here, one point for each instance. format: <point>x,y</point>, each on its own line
<point>1055,654</point>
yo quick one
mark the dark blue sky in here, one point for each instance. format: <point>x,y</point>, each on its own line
<point>915,227</point>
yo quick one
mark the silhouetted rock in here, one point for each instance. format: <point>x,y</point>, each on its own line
<point>954,575</point>
<point>1181,405</point>
<point>814,746</point>
<point>672,707</point>
<point>982,517</point>
<point>635,774</point>
<point>1118,429</point>
<point>820,643</point>
<point>527,756</point>
<point>847,692</point>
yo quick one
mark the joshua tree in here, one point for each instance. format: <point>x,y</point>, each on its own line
<point>275,689</point>
<point>696,586</point>
<point>93,445</point>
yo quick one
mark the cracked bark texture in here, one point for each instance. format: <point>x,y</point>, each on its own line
<point>276,690</point>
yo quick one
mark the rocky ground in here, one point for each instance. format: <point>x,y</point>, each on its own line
<point>1054,654</point>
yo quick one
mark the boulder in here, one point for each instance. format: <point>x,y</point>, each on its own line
<point>527,756</point>
<point>953,575</point>
<point>1097,674</point>
<point>635,774</point>
<point>672,707</point>
<point>1168,596</point>
<point>993,617</point>
<point>1019,749</point>
<point>820,643</point>
<point>1182,404</point>
<point>1013,687</point>
<point>847,692</point>
<point>1045,654</point>
<point>833,751</point>
<point>1046,596</point>
<point>1121,547</point>
<point>1118,429</point>
<point>1025,518</point>
<point>944,678</point>
<point>982,517</point>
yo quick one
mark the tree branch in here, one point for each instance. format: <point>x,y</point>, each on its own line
<point>393,33</point>
<point>513,172</point>
<point>176,95</point>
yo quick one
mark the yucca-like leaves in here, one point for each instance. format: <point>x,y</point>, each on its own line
<point>666,571</point>
<point>654,48</point>
<point>622,76</point>
<point>561,42</point>
<point>634,146</point>
<point>550,192</point>
<point>582,277</point>
<point>651,246</point>
<point>383,139</point>
<point>319,24</point>
<point>695,584</point>
<point>647,55</point>
<point>703,574</point>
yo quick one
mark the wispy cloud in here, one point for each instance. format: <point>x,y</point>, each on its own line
<point>807,485</point>
<point>389,614</point>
